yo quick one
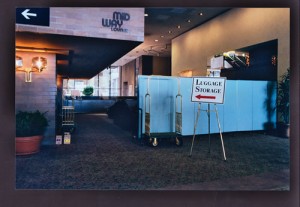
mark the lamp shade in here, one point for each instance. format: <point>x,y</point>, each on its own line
<point>39,63</point>
<point>19,62</point>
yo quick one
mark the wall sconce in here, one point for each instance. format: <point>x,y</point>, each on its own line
<point>38,64</point>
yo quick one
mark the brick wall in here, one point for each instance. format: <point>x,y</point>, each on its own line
<point>87,22</point>
<point>40,93</point>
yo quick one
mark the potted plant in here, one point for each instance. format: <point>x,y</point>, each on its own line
<point>88,90</point>
<point>270,106</point>
<point>283,104</point>
<point>30,127</point>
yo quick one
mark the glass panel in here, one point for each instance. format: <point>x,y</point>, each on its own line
<point>106,83</point>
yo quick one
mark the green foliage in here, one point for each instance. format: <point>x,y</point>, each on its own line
<point>269,105</point>
<point>283,98</point>
<point>30,123</point>
<point>88,90</point>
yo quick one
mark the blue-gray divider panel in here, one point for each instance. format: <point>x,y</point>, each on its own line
<point>188,107</point>
<point>259,103</point>
<point>244,107</point>
<point>230,112</point>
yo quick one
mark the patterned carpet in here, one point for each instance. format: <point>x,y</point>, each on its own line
<point>104,157</point>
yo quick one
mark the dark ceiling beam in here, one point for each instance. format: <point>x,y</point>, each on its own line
<point>86,56</point>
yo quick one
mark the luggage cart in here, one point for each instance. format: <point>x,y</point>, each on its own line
<point>68,119</point>
<point>153,137</point>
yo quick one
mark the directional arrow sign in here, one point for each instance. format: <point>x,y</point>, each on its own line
<point>208,90</point>
<point>33,16</point>
<point>205,97</point>
<point>27,15</point>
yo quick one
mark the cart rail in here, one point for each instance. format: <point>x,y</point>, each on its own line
<point>68,117</point>
<point>154,136</point>
<point>147,114</point>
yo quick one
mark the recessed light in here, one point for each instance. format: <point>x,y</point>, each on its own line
<point>200,14</point>
<point>162,36</point>
<point>188,20</point>
<point>146,15</point>
<point>178,26</point>
<point>170,31</point>
<point>156,40</point>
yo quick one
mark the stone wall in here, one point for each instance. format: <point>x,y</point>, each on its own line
<point>87,22</point>
<point>40,94</point>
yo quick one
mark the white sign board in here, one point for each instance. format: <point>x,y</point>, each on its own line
<point>208,90</point>
<point>217,62</point>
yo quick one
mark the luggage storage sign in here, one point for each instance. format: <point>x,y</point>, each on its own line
<point>208,90</point>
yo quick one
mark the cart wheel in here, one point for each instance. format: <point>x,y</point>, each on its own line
<point>153,142</point>
<point>178,141</point>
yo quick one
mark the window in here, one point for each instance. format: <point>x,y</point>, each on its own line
<point>106,83</point>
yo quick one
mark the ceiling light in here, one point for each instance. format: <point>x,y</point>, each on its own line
<point>189,21</point>
<point>170,31</point>
<point>162,36</point>
<point>178,26</point>
<point>146,15</point>
<point>200,14</point>
<point>156,40</point>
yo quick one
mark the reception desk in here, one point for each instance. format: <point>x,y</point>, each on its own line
<point>248,105</point>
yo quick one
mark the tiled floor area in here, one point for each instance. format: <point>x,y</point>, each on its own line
<point>104,157</point>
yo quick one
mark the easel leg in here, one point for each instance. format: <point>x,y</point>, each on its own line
<point>208,114</point>
<point>195,126</point>
<point>220,132</point>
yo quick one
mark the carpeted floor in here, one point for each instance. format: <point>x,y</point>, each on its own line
<point>104,157</point>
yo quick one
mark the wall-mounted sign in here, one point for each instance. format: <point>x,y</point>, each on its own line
<point>208,90</point>
<point>33,16</point>
<point>67,138</point>
<point>117,21</point>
